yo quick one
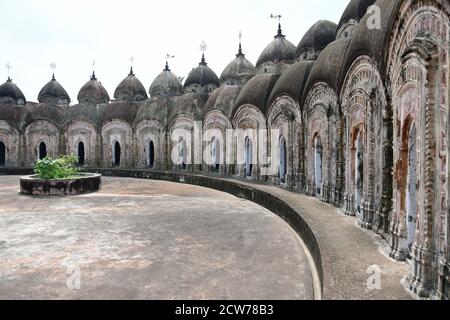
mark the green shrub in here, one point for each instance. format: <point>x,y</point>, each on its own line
<point>61,168</point>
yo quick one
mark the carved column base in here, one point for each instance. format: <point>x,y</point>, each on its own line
<point>326,195</point>
<point>442,292</point>
<point>398,243</point>
<point>367,215</point>
<point>349,206</point>
<point>419,279</point>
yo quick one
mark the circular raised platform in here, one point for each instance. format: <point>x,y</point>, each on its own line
<point>86,183</point>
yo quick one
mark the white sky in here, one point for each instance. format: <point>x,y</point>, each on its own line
<point>72,33</point>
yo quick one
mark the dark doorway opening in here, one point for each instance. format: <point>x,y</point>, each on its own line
<point>42,151</point>
<point>151,154</point>
<point>81,156</point>
<point>2,154</point>
<point>117,151</point>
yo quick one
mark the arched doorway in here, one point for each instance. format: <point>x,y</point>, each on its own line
<point>151,154</point>
<point>42,151</point>
<point>116,154</point>
<point>359,173</point>
<point>81,155</point>
<point>411,196</point>
<point>215,154</point>
<point>248,155</point>
<point>2,154</point>
<point>283,160</point>
<point>318,165</point>
<point>182,154</point>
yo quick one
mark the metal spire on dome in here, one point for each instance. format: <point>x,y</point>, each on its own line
<point>203,48</point>
<point>93,72</point>
<point>168,57</point>
<point>280,31</point>
<point>131,68</point>
<point>240,54</point>
<point>53,67</point>
<point>8,66</point>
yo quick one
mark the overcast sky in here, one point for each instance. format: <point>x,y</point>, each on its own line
<point>74,33</point>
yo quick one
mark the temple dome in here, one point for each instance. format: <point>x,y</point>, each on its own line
<point>315,39</point>
<point>238,71</point>
<point>257,91</point>
<point>276,55</point>
<point>166,84</point>
<point>201,79</point>
<point>10,93</point>
<point>130,89</point>
<point>93,92</point>
<point>354,12</point>
<point>54,93</point>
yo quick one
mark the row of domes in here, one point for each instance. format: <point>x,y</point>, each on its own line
<point>274,59</point>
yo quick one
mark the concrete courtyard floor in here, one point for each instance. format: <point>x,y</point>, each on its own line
<point>144,239</point>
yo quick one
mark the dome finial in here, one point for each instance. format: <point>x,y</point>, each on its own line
<point>203,48</point>
<point>9,67</point>
<point>53,77</point>
<point>280,31</point>
<point>240,54</point>
<point>93,76</point>
<point>131,64</point>
<point>168,57</point>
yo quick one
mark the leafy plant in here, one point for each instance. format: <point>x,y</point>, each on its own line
<point>61,168</point>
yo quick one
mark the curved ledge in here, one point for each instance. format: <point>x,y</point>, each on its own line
<point>87,183</point>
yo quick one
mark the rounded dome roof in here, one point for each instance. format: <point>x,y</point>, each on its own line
<point>11,90</point>
<point>318,36</point>
<point>202,75</point>
<point>328,66</point>
<point>11,114</point>
<point>278,50</point>
<point>119,110</point>
<point>190,104</point>
<point>82,112</point>
<point>130,89</point>
<point>166,84</point>
<point>257,91</point>
<point>355,10</point>
<point>222,99</point>
<point>372,42</point>
<point>155,108</point>
<point>44,111</point>
<point>53,90</point>
<point>238,69</point>
<point>292,81</point>
<point>93,90</point>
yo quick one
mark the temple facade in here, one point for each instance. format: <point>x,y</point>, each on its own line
<point>356,115</point>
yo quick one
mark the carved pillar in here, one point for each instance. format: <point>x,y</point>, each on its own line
<point>384,215</point>
<point>368,207</point>
<point>340,164</point>
<point>302,159</point>
<point>420,278</point>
